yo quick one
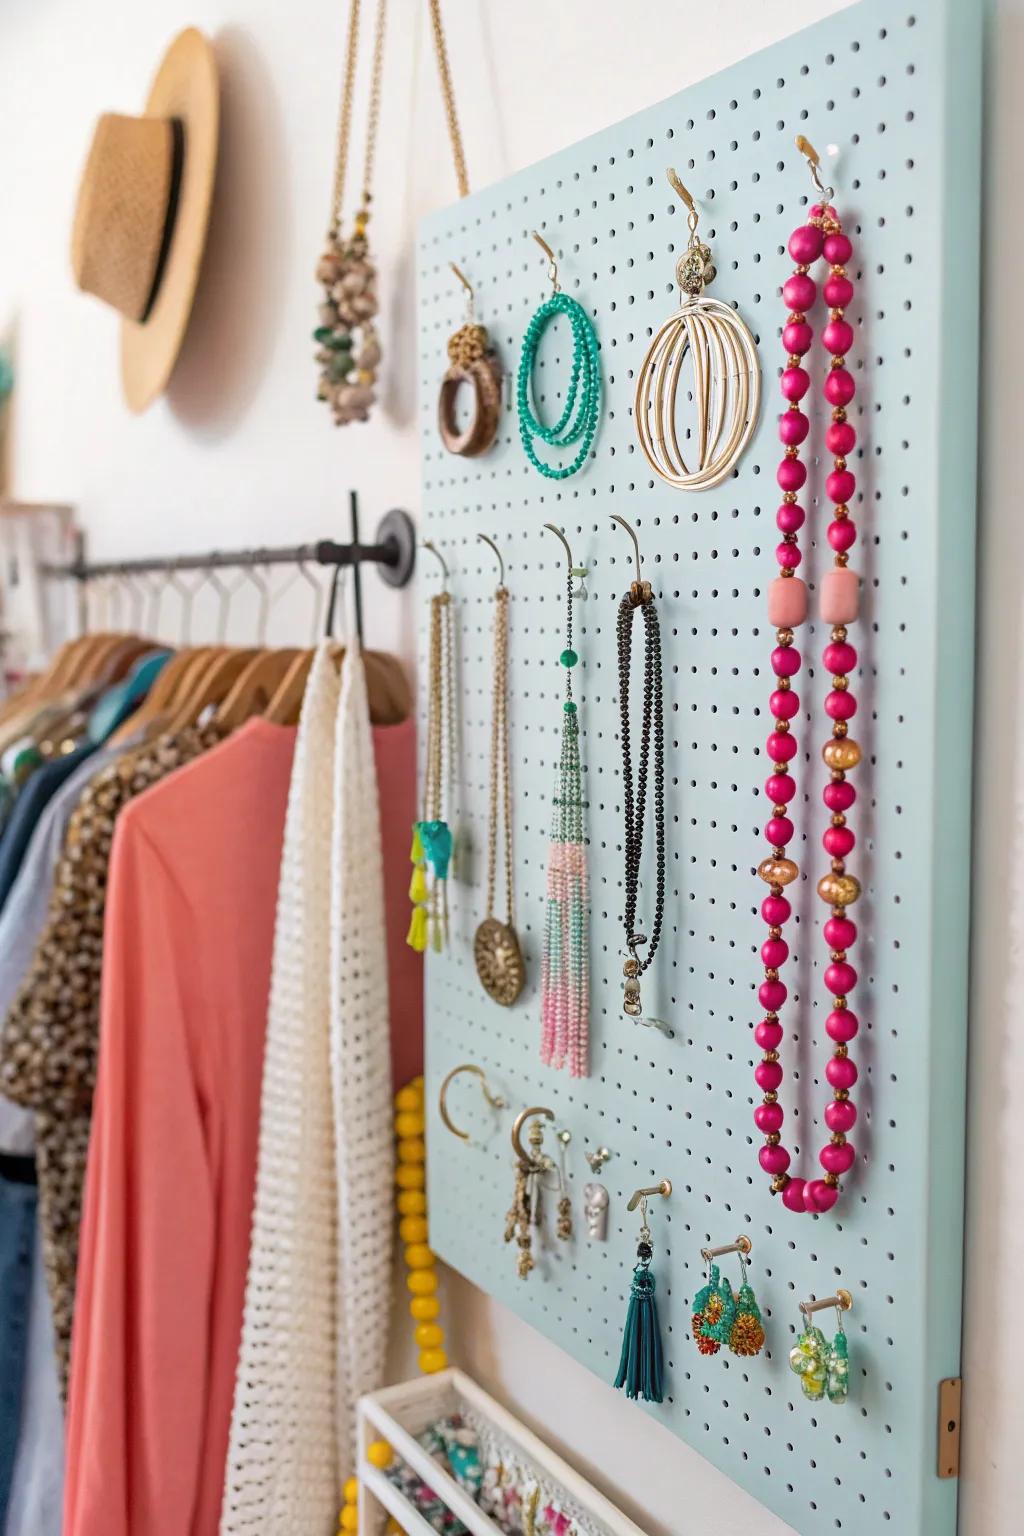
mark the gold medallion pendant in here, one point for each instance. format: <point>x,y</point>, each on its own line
<point>499,961</point>
<point>725,385</point>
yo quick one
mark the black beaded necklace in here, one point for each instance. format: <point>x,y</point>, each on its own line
<point>635,798</point>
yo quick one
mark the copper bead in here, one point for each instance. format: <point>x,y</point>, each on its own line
<point>777,871</point>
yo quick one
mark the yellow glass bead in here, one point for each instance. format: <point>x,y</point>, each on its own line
<point>350,1519</point>
<point>432,1360</point>
<point>422,1282</point>
<point>420,1256</point>
<point>410,1176</point>
<point>417,1083</point>
<point>412,1149</point>
<point>413,1229</point>
<point>409,1123</point>
<point>379,1454</point>
<point>407,1099</point>
<point>424,1308</point>
<point>351,1490</point>
<point>428,1336</point>
<point>411,1202</point>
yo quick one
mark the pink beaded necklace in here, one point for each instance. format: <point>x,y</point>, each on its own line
<point>822,235</point>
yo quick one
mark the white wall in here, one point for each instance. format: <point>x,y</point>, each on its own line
<point>240,453</point>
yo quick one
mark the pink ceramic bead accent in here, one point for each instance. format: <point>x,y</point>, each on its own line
<point>840,978</point>
<point>840,933</point>
<point>786,658</point>
<point>837,1159</point>
<point>799,292</point>
<point>768,1118</point>
<point>776,910</point>
<point>841,1116</point>
<point>771,995</point>
<point>793,1195</point>
<point>841,1072</point>
<point>839,657</point>
<point>841,1026</point>
<point>778,832</point>
<point>793,428</point>
<point>768,1075</point>
<point>838,292</point>
<point>840,705</point>
<point>780,789</point>
<point>774,952</point>
<point>838,842</point>
<point>842,534</point>
<point>819,1196</point>
<point>840,596</point>
<point>797,337</point>
<point>837,337</point>
<point>795,383</point>
<point>790,517</point>
<point>784,703</point>
<point>788,556</point>
<point>839,797</point>
<point>791,474</point>
<point>787,609</point>
<point>805,244</point>
<point>840,438</point>
<point>840,485</point>
<point>768,1033</point>
<point>837,249</point>
<point>781,747</point>
<point>774,1160</point>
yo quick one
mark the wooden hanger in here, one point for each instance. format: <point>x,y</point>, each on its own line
<point>160,699</point>
<point>255,687</point>
<point>286,705</point>
<point>120,659</point>
<point>212,687</point>
<point>388,688</point>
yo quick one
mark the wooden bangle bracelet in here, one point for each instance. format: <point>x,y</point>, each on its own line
<point>483,426</point>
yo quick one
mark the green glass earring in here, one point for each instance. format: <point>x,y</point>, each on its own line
<point>837,1381</point>
<point>809,1359</point>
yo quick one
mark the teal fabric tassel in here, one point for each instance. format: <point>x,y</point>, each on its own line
<point>642,1365</point>
<point>437,841</point>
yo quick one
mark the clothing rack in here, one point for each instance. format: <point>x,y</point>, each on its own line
<point>393,553</point>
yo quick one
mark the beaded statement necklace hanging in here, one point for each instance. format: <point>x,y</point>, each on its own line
<point>348,349</point>
<point>581,412</point>
<point>565,976</point>
<point>634,797</point>
<point>822,235</point>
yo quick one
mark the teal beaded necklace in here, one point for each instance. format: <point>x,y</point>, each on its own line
<point>581,412</point>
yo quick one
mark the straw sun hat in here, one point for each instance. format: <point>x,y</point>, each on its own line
<point>143,209</point>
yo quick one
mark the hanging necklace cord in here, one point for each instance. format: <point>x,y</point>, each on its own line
<point>448,93</point>
<point>635,800</point>
<point>345,117</point>
<point>500,795</point>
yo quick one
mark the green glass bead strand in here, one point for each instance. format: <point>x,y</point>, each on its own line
<point>581,412</point>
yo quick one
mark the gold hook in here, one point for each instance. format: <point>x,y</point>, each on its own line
<point>565,543</point>
<point>495,1100</point>
<point>643,587</point>
<point>549,253</point>
<point>813,159</point>
<point>664,1188</point>
<point>517,1129</point>
<point>497,551</point>
<point>842,1301</point>
<point>429,544</point>
<point>692,217</point>
<point>741,1245</point>
<point>464,280</point>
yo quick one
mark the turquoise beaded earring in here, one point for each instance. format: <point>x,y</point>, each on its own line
<point>580,414</point>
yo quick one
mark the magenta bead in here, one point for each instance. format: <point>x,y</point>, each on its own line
<point>840,978</point>
<point>778,831</point>
<point>840,933</point>
<point>768,1075</point>
<point>791,474</point>
<point>825,211</point>
<point>819,1196</point>
<point>841,485</point>
<point>776,910</point>
<point>781,747</point>
<point>839,797</point>
<point>784,704</point>
<point>805,244</point>
<point>842,534</point>
<point>837,843</point>
<point>840,1071</point>
<point>838,291</point>
<point>841,1116</point>
<point>768,1118</point>
<point>837,337</point>
<point>774,952</point>
<point>795,383</point>
<point>785,661</point>
<point>840,438</point>
<point>771,995</point>
<point>768,1033</point>
<point>793,1195</point>
<point>840,704</point>
<point>799,292</point>
<point>797,337</point>
<point>788,556</point>
<point>837,1159</point>
<point>837,249</point>
<point>790,517</point>
<point>774,1160</point>
<point>780,787</point>
<point>793,428</point>
<point>841,1026</point>
<point>839,387</point>
<point>840,657</point>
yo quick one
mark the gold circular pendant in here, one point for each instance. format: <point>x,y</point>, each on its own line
<point>499,961</point>
<point>725,389</point>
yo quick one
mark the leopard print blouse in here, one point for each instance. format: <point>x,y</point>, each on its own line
<point>50,1040</point>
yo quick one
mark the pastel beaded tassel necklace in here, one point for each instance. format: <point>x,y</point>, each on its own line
<point>565,976</point>
<point>822,235</point>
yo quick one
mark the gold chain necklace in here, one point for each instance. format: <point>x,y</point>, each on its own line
<point>499,960</point>
<point>448,92</point>
<point>348,348</point>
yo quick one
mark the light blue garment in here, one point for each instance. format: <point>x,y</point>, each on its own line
<point>36,1502</point>
<point>121,698</point>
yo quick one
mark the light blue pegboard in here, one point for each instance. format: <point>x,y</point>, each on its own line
<point>897,87</point>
